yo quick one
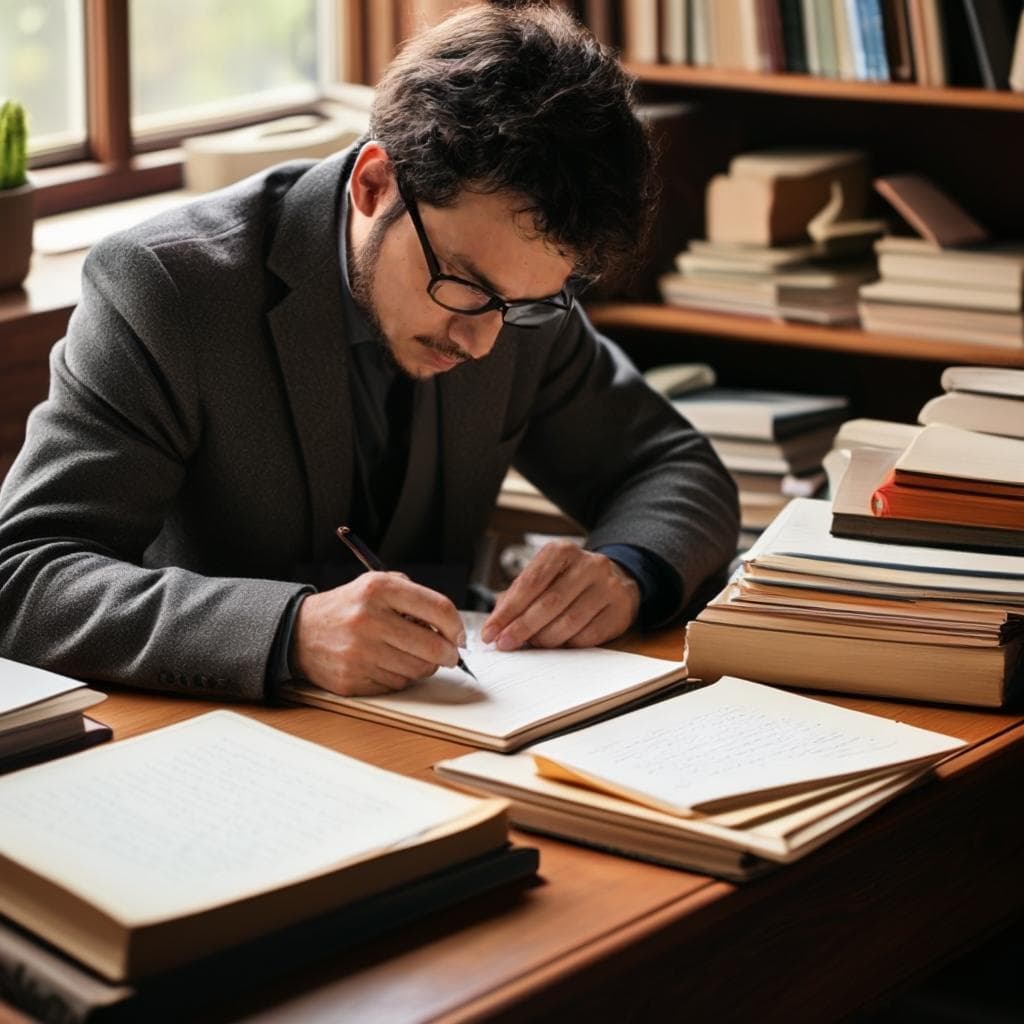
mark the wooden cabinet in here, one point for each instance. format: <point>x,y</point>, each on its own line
<point>969,141</point>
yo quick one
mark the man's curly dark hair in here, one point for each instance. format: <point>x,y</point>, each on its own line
<point>522,99</point>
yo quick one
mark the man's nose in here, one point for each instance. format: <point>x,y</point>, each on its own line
<point>475,334</point>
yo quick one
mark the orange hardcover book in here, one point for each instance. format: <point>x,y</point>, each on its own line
<point>897,500</point>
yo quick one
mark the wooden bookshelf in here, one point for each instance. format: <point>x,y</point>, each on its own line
<point>813,86</point>
<point>612,316</point>
<point>969,140</point>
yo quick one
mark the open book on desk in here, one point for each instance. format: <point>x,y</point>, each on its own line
<point>518,696</point>
<point>726,779</point>
<point>140,856</point>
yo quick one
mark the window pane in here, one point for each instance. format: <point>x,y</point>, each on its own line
<point>42,65</point>
<point>201,59</point>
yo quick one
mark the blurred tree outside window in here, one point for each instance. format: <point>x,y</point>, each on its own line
<point>201,60</point>
<point>42,66</point>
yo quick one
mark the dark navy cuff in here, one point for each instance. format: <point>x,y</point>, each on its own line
<point>278,667</point>
<point>661,589</point>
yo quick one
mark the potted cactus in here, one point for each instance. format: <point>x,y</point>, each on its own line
<point>16,196</point>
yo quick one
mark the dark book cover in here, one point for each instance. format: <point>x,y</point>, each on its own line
<point>93,734</point>
<point>43,982</point>
<point>792,17</point>
<point>991,29</point>
<point>962,64</point>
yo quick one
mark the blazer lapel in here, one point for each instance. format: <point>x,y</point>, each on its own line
<point>308,334</point>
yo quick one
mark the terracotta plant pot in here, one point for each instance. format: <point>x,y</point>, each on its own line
<point>16,218</point>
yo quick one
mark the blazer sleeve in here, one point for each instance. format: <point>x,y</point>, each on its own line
<point>616,456</point>
<point>88,494</point>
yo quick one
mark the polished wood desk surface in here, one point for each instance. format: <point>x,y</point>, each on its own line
<point>618,939</point>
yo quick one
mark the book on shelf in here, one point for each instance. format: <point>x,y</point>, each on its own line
<point>518,696</point>
<point>853,516</point>
<point>769,197</point>
<point>817,611</point>
<point>40,980</point>
<point>1016,76</point>
<point>820,276</point>
<point>41,715</point>
<point>896,33</point>
<point>140,856</point>
<point>997,266</point>
<point>777,303</point>
<point>765,415</point>
<point>729,778</point>
<point>932,213</point>
<point>984,380</point>
<point>965,326</point>
<point>943,294</point>
<point>991,32</point>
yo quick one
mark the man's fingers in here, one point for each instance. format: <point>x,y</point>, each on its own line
<point>572,620</point>
<point>429,609</point>
<point>606,625</point>
<point>548,607</point>
<point>546,566</point>
<point>406,665</point>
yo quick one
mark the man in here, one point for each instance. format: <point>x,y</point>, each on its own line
<point>371,341</point>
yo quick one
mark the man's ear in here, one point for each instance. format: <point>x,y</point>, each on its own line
<point>372,180</point>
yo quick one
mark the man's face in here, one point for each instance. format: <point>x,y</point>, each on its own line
<point>480,238</point>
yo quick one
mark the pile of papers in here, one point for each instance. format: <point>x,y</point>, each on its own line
<point>729,779</point>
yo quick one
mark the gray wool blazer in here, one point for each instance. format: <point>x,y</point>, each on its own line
<point>197,443</point>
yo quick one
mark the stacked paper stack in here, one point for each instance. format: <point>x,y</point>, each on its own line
<point>813,610</point>
<point>727,779</point>
<point>956,482</point>
<point>785,239</point>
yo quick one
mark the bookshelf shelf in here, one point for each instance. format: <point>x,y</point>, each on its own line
<point>653,317</point>
<point>814,87</point>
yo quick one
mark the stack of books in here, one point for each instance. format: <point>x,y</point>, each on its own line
<point>141,876</point>
<point>771,442</point>
<point>730,779</point>
<point>956,482</point>
<point>953,282</point>
<point>810,609</point>
<point>786,239</point>
<point>41,715</point>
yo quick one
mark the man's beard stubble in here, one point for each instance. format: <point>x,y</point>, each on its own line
<point>362,267</point>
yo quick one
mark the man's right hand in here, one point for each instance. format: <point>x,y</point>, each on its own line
<point>374,635</point>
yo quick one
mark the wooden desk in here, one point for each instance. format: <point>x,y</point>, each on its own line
<point>607,938</point>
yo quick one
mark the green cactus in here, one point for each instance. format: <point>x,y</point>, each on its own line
<point>13,145</point>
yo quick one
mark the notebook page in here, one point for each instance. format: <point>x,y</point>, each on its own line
<point>206,812</point>
<point>735,738</point>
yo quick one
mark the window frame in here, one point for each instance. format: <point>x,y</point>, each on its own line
<point>111,165</point>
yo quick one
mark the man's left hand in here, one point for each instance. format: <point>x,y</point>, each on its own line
<point>565,597</point>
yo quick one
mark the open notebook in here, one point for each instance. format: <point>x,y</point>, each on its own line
<point>518,696</point>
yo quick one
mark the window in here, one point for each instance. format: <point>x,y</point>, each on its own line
<point>42,65</point>
<point>196,62</point>
<point>116,84</point>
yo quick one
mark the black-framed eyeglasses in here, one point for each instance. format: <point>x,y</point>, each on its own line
<point>470,299</point>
